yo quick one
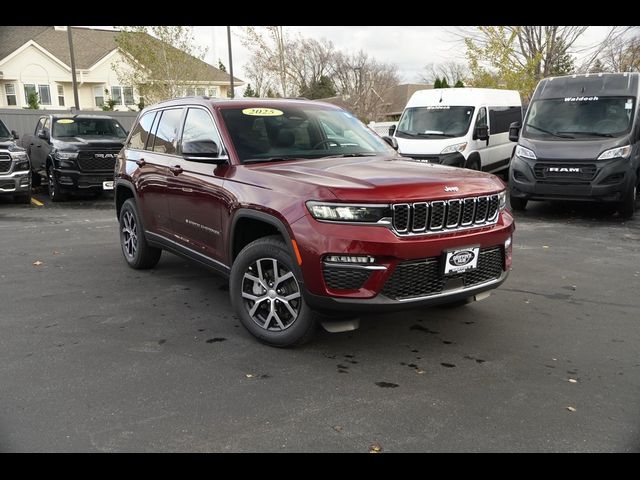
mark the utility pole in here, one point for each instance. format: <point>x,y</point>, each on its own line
<point>230,61</point>
<point>73,69</point>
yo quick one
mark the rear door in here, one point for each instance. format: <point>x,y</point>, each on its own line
<point>196,195</point>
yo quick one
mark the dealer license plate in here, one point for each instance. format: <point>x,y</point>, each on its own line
<point>461,260</point>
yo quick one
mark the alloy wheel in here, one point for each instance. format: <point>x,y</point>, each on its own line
<point>129,234</point>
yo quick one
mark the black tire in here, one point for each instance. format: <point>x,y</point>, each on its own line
<point>24,198</point>
<point>36,180</point>
<point>55,191</point>
<point>627,205</point>
<point>473,163</point>
<point>135,249</point>
<point>268,318</point>
<point>518,204</point>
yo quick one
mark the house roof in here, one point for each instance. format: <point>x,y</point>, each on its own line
<point>90,45</point>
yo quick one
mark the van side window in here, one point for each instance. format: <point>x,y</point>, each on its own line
<point>502,117</point>
<point>141,132</point>
<point>167,133</point>
<point>481,121</point>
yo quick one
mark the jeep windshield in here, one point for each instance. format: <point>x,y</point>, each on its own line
<point>434,121</point>
<point>579,117</point>
<point>264,134</point>
<point>87,127</point>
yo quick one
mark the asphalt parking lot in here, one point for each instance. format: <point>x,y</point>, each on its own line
<point>98,357</point>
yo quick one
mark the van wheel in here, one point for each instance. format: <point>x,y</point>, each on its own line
<point>137,252</point>
<point>628,204</point>
<point>266,294</point>
<point>518,204</point>
<point>473,164</point>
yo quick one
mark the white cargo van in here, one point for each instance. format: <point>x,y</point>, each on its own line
<point>462,127</point>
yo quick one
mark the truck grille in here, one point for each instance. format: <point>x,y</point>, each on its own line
<point>445,215</point>
<point>345,278</point>
<point>88,161</point>
<point>421,278</point>
<point>5,162</point>
<point>566,172</point>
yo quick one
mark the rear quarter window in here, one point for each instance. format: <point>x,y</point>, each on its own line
<point>140,132</point>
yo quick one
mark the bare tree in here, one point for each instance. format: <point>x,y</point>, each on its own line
<point>258,74</point>
<point>452,71</point>
<point>621,54</point>
<point>309,60</point>
<point>269,44</point>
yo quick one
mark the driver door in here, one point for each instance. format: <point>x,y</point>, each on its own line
<point>482,120</point>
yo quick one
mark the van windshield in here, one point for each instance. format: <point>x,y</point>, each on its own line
<point>435,121</point>
<point>579,117</point>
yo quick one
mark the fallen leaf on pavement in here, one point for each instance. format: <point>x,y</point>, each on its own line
<point>419,372</point>
<point>545,246</point>
<point>249,375</point>
<point>55,252</point>
<point>37,263</point>
<point>573,380</point>
<point>571,409</point>
<point>337,428</point>
<point>375,448</point>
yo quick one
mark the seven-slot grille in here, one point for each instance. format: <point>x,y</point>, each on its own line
<point>424,277</point>
<point>5,162</point>
<point>444,215</point>
<point>90,160</point>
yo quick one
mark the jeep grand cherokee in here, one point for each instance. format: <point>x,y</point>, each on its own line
<point>306,210</point>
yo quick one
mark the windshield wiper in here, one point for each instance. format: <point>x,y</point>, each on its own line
<point>402,132</point>
<point>265,160</point>
<point>438,134</point>
<point>555,134</point>
<point>593,134</point>
<point>345,155</point>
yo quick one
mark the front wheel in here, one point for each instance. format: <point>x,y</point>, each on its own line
<point>627,206</point>
<point>55,191</point>
<point>24,198</point>
<point>518,204</point>
<point>266,294</point>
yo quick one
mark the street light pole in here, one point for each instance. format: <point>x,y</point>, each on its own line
<point>73,69</point>
<point>230,61</point>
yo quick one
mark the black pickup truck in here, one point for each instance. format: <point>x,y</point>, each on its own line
<point>14,167</point>
<point>75,153</point>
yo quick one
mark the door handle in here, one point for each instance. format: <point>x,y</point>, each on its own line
<point>141,162</point>
<point>176,170</point>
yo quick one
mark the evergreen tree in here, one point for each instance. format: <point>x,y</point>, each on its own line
<point>321,88</point>
<point>437,83</point>
<point>459,84</point>
<point>221,66</point>
<point>32,100</point>
<point>250,92</point>
<point>444,83</point>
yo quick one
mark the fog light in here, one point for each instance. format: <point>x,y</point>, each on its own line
<point>508,250</point>
<point>349,259</point>
<point>66,180</point>
<point>24,181</point>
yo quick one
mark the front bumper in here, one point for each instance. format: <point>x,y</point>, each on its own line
<point>378,288</point>
<point>606,180</point>
<point>77,180</point>
<point>15,183</point>
<point>450,159</point>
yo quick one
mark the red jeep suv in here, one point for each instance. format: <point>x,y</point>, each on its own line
<point>308,212</point>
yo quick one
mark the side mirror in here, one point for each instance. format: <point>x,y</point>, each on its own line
<point>514,131</point>
<point>43,134</point>
<point>481,133</point>
<point>392,130</point>
<point>206,151</point>
<point>391,141</point>
<point>15,135</point>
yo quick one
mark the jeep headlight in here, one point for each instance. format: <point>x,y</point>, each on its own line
<point>457,148</point>
<point>337,212</point>
<point>502,200</point>
<point>66,155</point>
<point>618,152</point>
<point>523,152</point>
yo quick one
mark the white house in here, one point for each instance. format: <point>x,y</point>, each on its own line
<point>38,59</point>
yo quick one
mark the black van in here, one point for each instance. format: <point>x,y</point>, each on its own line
<point>580,140</point>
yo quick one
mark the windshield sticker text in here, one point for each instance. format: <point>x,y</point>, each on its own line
<point>580,99</point>
<point>438,107</point>
<point>262,112</point>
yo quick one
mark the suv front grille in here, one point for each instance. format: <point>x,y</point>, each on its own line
<point>445,215</point>
<point>5,162</point>
<point>88,161</point>
<point>421,278</point>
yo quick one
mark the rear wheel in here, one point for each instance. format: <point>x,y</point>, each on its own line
<point>518,204</point>
<point>137,252</point>
<point>627,206</point>
<point>266,294</point>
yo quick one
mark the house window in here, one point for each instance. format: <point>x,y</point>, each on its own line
<point>45,94</point>
<point>116,95</point>
<point>190,92</point>
<point>201,92</point>
<point>98,94</point>
<point>29,88</point>
<point>61,95</point>
<point>214,92</point>
<point>10,91</point>
<point>128,95</point>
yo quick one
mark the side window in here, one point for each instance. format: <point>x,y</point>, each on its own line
<point>167,132</point>
<point>47,124</point>
<point>481,121</point>
<point>199,127</point>
<point>39,125</point>
<point>502,117</point>
<point>141,131</point>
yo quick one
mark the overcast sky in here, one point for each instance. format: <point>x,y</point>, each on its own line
<point>410,48</point>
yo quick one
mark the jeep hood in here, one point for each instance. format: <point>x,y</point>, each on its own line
<point>384,179</point>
